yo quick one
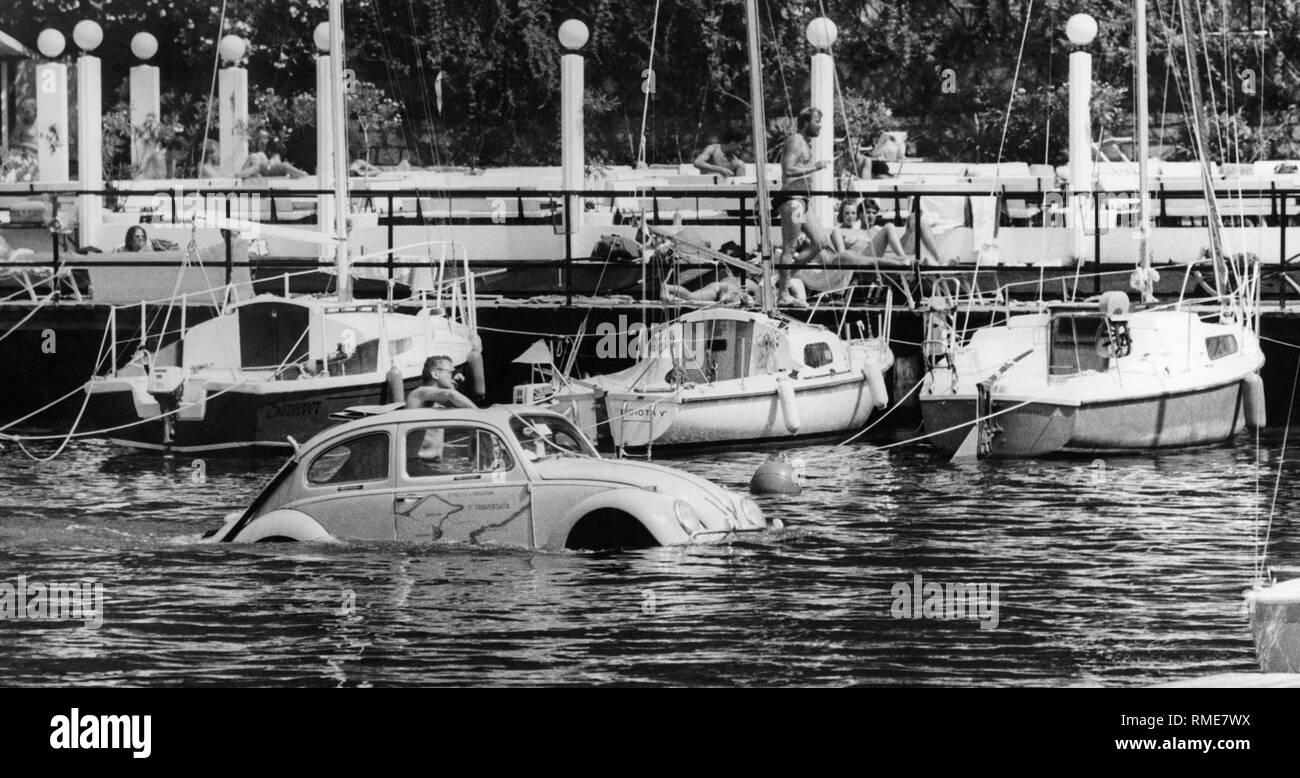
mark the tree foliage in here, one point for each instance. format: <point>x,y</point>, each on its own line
<point>477,82</point>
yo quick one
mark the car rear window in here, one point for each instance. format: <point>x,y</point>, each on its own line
<point>363,458</point>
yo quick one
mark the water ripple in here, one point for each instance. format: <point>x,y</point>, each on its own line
<point>1125,572</point>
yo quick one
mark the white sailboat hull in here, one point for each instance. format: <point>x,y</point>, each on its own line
<point>1183,383</point>
<point>1196,417</point>
<point>733,411</point>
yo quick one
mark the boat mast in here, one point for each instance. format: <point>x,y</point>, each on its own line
<point>340,129</point>
<point>767,296</point>
<point>1200,127</point>
<point>1143,131</point>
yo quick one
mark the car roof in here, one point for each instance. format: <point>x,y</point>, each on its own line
<point>381,417</point>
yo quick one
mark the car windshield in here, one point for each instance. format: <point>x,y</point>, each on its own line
<point>548,435</point>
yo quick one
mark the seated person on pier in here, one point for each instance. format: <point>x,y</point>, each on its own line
<point>137,240</point>
<point>863,241</point>
<point>888,244</point>
<point>722,157</point>
<point>210,165</point>
<point>268,165</point>
<point>730,290</point>
<point>363,169</point>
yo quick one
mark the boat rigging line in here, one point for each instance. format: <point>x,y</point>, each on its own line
<point>648,86</point>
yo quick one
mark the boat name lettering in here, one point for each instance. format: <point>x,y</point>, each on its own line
<point>303,408</point>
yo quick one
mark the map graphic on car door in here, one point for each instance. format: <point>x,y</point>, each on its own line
<point>458,483</point>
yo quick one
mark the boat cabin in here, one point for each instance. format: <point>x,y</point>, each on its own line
<point>274,338</point>
<point>725,345</point>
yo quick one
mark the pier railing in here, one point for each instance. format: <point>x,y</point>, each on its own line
<point>1088,216</point>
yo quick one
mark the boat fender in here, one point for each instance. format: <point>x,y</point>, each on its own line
<point>775,476</point>
<point>395,385</point>
<point>789,410</point>
<point>876,383</point>
<point>474,364</point>
<point>1253,399</point>
<point>1114,304</point>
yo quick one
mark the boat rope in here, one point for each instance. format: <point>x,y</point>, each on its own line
<point>648,86</point>
<point>35,309</point>
<point>882,416</point>
<point>961,425</point>
<point>395,87</point>
<point>420,77</point>
<point>1280,342</point>
<point>43,408</point>
<point>780,69</point>
<point>72,433</point>
<point>212,88</point>
<point>1015,77</point>
<point>1209,65</point>
<point>1277,481</point>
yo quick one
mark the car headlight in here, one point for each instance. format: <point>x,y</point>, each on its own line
<point>751,511</point>
<point>687,518</point>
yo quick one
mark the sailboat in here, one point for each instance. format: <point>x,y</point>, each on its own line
<point>722,375</point>
<point>1103,375</point>
<point>274,368</point>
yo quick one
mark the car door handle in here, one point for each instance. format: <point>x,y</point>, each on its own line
<point>467,478</point>
<point>407,497</point>
<point>353,488</point>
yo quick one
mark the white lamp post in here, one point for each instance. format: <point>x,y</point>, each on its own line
<point>51,109</point>
<point>1081,29</point>
<point>573,36</point>
<point>146,93</point>
<point>90,131</point>
<point>821,34</point>
<point>232,104</point>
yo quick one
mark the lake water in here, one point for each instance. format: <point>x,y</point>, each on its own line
<point>1126,574</point>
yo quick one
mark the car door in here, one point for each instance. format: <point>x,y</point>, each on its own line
<point>348,487</point>
<point>459,482</point>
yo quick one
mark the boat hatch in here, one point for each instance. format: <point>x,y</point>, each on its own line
<point>818,354</point>
<point>1074,341</point>
<point>1220,346</point>
<point>712,350</point>
<point>272,334</point>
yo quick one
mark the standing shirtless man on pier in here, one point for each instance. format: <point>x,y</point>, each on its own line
<point>797,167</point>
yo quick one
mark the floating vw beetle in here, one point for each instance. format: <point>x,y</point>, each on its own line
<point>506,475</point>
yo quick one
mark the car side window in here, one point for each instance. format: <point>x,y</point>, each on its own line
<point>432,451</point>
<point>363,458</point>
